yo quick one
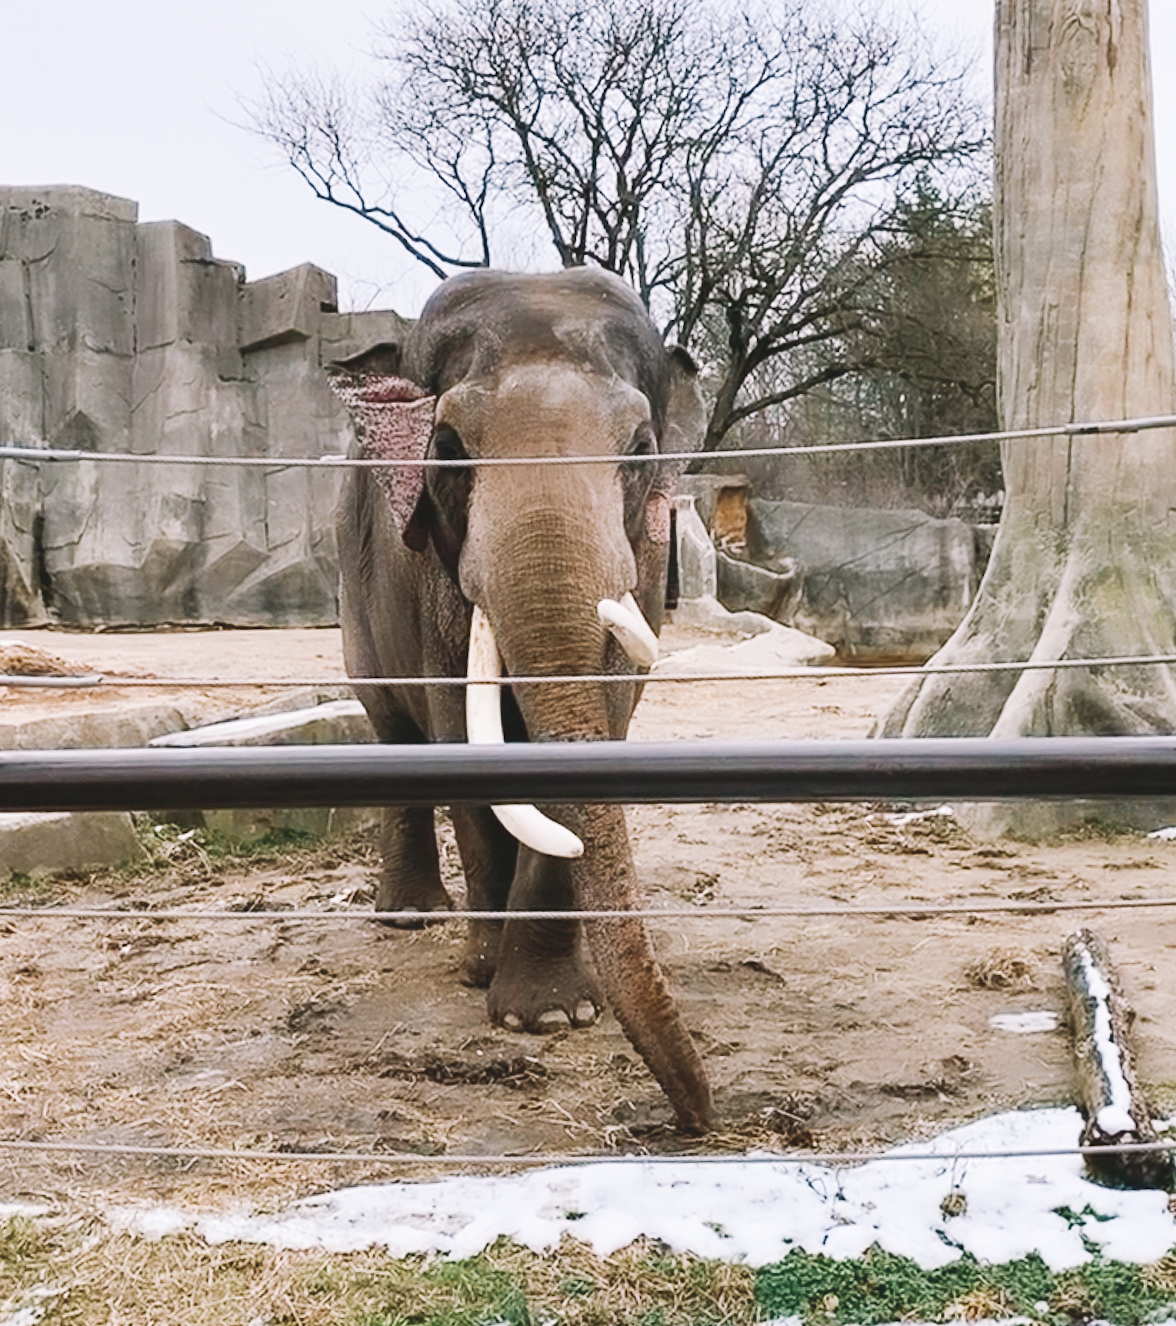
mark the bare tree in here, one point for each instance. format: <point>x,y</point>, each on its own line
<point>1085,562</point>
<point>930,336</point>
<point>742,169</point>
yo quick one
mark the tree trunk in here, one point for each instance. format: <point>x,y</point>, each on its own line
<point>1085,560</point>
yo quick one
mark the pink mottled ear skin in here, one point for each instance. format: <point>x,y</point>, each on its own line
<point>657,517</point>
<point>393,420</point>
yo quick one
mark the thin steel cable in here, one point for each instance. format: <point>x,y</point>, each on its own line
<point>750,913</point>
<point>330,462</point>
<point>95,680</point>
<point>572,1158</point>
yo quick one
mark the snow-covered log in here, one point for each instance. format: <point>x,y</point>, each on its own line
<point>1108,1090</point>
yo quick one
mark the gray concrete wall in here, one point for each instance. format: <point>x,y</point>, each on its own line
<point>117,336</point>
<point>875,583</point>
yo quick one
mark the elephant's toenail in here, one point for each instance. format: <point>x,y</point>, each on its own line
<point>512,1022</point>
<point>586,1013</point>
<point>555,1019</point>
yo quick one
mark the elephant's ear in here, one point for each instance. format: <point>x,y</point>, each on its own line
<point>684,430</point>
<point>393,420</point>
<point>685,409</point>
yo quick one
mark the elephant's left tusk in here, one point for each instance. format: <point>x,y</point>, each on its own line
<point>627,622</point>
<point>484,728</point>
<point>483,703</point>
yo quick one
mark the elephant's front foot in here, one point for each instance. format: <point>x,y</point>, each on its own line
<point>417,901</point>
<point>554,994</point>
<point>410,877</point>
<point>479,962</point>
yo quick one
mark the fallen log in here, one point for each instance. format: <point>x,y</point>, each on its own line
<point>1109,1095</point>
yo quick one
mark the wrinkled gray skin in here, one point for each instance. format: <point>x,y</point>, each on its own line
<point>561,364</point>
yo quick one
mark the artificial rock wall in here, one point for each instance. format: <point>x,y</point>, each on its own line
<point>117,336</point>
<point>877,584</point>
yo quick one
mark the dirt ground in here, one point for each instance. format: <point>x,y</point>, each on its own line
<point>350,1036</point>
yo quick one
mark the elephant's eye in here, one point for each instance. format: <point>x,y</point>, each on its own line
<point>446,444</point>
<point>643,443</point>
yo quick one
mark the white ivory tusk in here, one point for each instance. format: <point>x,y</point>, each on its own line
<point>535,830</point>
<point>484,728</point>
<point>483,703</point>
<point>627,622</point>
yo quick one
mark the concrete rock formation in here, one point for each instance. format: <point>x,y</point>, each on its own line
<point>876,583</point>
<point>117,336</point>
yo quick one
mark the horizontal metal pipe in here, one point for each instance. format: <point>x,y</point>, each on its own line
<point>961,769</point>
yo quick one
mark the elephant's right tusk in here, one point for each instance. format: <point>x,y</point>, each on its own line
<point>627,622</point>
<point>484,728</point>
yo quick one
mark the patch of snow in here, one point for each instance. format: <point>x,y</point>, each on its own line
<point>29,1308</point>
<point>1165,834</point>
<point>751,1210</point>
<point>902,819</point>
<point>1025,1024</point>
<point>22,1210</point>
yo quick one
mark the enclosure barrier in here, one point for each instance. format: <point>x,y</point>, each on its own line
<point>925,768</point>
<point>1114,768</point>
<point>95,680</point>
<point>950,768</point>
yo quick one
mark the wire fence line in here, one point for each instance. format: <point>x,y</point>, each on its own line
<point>698,912</point>
<point>333,461</point>
<point>94,680</point>
<point>472,1159</point>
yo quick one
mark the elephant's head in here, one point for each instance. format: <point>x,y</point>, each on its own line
<point>563,565</point>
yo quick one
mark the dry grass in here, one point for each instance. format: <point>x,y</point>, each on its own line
<point>1162,1275</point>
<point>1003,969</point>
<point>986,1303</point>
<point>79,1272</point>
<point>21,660</point>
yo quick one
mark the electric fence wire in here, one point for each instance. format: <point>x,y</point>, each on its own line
<point>334,461</point>
<point>94,680</point>
<point>702,912</point>
<point>470,1160</point>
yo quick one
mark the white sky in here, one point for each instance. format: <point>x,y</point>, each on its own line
<point>134,97</point>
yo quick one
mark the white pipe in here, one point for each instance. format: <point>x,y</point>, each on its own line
<point>627,622</point>
<point>484,728</point>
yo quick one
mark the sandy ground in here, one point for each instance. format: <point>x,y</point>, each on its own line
<point>353,1037</point>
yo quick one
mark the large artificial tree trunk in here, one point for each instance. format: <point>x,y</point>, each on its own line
<point>1085,561</point>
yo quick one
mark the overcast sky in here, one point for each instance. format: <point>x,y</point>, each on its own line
<point>136,97</point>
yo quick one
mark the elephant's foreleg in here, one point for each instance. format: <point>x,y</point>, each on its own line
<point>410,877</point>
<point>542,983</point>
<point>488,855</point>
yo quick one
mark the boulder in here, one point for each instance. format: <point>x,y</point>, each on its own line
<point>39,844</point>
<point>341,721</point>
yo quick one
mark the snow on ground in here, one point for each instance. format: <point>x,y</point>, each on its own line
<point>751,1210</point>
<point>1025,1024</point>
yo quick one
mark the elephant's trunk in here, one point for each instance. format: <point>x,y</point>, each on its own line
<point>539,569</point>
<point>603,879</point>
<point>633,982</point>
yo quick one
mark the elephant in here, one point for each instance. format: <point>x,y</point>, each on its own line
<point>535,571</point>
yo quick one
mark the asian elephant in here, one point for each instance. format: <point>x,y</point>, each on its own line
<point>537,570</point>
